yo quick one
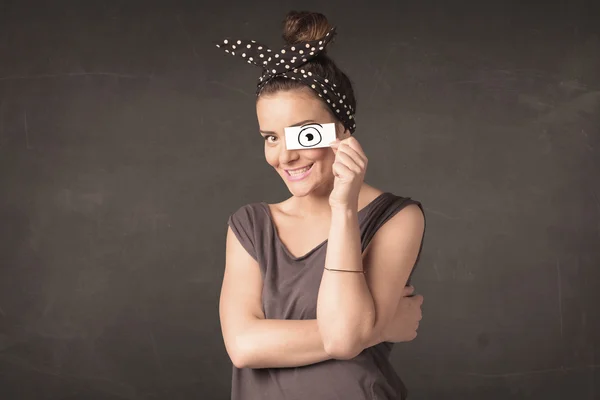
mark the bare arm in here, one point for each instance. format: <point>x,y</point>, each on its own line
<point>251,340</point>
<point>352,308</point>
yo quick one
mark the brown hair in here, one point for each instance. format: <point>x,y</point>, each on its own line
<point>305,26</point>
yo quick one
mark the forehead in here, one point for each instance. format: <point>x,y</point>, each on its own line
<point>279,110</point>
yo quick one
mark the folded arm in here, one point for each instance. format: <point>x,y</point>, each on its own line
<point>353,308</point>
<point>251,340</point>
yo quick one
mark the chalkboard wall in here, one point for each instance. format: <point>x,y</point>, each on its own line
<point>127,139</point>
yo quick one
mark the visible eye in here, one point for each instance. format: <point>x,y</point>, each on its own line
<point>269,136</point>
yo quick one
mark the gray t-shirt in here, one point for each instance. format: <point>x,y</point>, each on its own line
<point>290,288</point>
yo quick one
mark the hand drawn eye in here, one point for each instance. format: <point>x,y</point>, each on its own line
<point>310,135</point>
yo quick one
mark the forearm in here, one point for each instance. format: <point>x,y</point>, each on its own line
<point>345,309</point>
<point>273,343</point>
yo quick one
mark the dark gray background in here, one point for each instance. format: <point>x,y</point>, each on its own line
<point>127,138</point>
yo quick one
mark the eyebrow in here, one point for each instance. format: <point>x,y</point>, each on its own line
<point>296,124</point>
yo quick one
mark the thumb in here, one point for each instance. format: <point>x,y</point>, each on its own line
<point>408,290</point>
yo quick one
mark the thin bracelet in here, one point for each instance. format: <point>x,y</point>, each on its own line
<point>345,270</point>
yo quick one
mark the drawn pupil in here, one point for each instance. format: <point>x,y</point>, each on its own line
<point>309,135</point>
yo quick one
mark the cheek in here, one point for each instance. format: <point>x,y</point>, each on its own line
<point>321,154</point>
<point>271,156</point>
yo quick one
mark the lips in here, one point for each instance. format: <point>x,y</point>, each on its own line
<point>298,169</point>
<point>298,176</point>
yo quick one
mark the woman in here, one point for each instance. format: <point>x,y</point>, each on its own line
<point>310,303</point>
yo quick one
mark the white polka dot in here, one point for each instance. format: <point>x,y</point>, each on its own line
<point>250,58</point>
<point>293,48</point>
<point>233,46</point>
<point>260,47</point>
<point>329,101</point>
<point>350,117</point>
<point>311,53</point>
<point>287,66</point>
<point>233,53</point>
<point>276,55</point>
<point>239,42</point>
<point>227,51</point>
<point>301,51</point>
<point>344,97</point>
<point>269,59</point>
<point>309,73</point>
<point>324,90</point>
<point>321,48</point>
<point>337,110</point>
<point>253,41</point>
<point>341,101</point>
<point>225,41</point>
<point>347,112</point>
<point>320,42</point>
<point>282,51</point>
<point>248,46</point>
<point>304,59</point>
<point>261,55</point>
<point>312,49</point>
<point>326,80</point>
<point>273,71</point>
<point>307,45</point>
<point>243,54</point>
<point>313,86</point>
<point>219,46</point>
<point>306,76</point>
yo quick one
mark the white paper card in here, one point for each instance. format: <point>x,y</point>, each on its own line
<point>309,136</point>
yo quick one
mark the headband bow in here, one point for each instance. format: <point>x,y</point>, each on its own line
<point>288,63</point>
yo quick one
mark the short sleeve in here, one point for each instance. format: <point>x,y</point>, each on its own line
<point>242,225</point>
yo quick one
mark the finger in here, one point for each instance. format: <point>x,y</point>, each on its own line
<point>360,158</point>
<point>342,171</point>
<point>353,142</point>
<point>408,290</point>
<point>348,161</point>
<point>418,298</point>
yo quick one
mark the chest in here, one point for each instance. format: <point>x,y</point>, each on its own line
<point>300,237</point>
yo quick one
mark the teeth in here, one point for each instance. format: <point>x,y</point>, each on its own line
<point>299,171</point>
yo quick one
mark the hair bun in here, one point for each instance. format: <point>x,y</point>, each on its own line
<point>303,26</point>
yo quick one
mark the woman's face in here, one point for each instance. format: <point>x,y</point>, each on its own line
<point>294,108</point>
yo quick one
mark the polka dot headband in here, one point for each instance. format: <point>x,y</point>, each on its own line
<point>288,63</point>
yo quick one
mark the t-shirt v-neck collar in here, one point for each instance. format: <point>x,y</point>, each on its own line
<point>361,213</point>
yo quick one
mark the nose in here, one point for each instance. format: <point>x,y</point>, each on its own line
<point>286,156</point>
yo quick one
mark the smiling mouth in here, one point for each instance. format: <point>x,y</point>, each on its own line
<point>298,171</point>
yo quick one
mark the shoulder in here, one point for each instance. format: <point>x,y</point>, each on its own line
<point>247,211</point>
<point>400,218</point>
<point>399,239</point>
<point>407,216</point>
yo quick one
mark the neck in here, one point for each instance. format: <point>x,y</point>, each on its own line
<point>316,203</point>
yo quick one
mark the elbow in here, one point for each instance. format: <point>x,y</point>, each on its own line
<point>345,347</point>
<point>239,353</point>
<point>348,346</point>
<point>238,360</point>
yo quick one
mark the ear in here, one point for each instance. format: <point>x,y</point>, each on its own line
<point>341,131</point>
